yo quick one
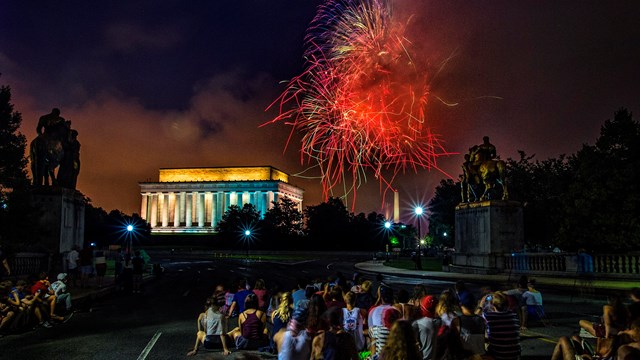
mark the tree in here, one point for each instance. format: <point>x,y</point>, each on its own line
<point>13,144</point>
<point>17,215</point>
<point>442,207</point>
<point>539,186</point>
<point>328,225</point>
<point>235,221</point>
<point>602,211</point>
<point>284,218</point>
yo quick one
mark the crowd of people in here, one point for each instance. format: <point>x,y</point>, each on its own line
<point>360,318</point>
<point>29,304</point>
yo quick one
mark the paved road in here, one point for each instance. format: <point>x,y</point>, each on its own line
<point>160,323</point>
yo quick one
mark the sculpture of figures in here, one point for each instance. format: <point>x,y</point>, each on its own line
<point>56,144</point>
<point>481,167</point>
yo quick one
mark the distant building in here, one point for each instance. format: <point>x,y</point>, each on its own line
<point>193,200</point>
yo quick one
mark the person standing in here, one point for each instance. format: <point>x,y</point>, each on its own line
<point>101,267</point>
<point>86,265</point>
<point>138,268</point>
<point>73,257</point>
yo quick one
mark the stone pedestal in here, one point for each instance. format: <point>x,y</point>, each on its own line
<point>485,231</point>
<point>61,218</point>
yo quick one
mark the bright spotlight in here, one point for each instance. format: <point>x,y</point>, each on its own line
<point>387,224</point>
<point>247,232</point>
<point>129,227</point>
<point>419,210</point>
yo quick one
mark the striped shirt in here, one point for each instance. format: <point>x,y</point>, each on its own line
<point>503,330</point>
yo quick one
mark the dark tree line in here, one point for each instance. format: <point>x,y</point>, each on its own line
<point>326,226</point>
<point>586,200</point>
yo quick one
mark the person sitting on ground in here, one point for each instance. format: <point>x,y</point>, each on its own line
<point>408,311</point>
<point>449,336</point>
<point>614,319</point>
<point>218,295</point>
<point>295,342</point>
<point>251,332</point>
<point>571,348</point>
<point>631,350</point>
<point>298,293</point>
<point>332,342</point>
<point>533,298</point>
<point>503,329</point>
<point>419,292</point>
<point>364,298</point>
<point>520,306</point>
<point>240,297</point>
<point>401,343</point>
<point>378,329</point>
<point>211,325</point>
<point>261,292</point>
<point>472,328</point>
<point>45,295</point>
<point>59,288</point>
<point>6,312</point>
<point>335,298</point>
<point>427,327</point>
<point>280,318</point>
<point>27,303</point>
<point>353,320</point>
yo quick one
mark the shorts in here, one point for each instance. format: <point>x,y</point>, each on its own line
<point>101,269</point>
<point>86,269</point>
<point>243,343</point>
<point>212,342</point>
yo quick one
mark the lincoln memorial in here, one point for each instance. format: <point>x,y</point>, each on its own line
<point>193,200</point>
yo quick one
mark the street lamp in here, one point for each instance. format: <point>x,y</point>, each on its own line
<point>418,210</point>
<point>247,235</point>
<point>129,238</point>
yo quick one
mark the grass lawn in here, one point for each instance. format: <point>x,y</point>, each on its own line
<point>428,263</point>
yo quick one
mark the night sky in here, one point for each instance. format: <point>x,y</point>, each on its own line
<point>160,84</point>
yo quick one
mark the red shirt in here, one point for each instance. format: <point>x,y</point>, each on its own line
<point>39,286</point>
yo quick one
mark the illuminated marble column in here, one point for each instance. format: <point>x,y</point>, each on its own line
<point>165,210</point>
<point>246,198</point>
<point>188,209</point>
<point>144,211</point>
<point>176,209</point>
<point>200,206</point>
<point>233,198</point>
<point>194,207</point>
<point>183,207</point>
<point>270,198</point>
<point>153,216</point>
<point>208,209</point>
<point>214,209</point>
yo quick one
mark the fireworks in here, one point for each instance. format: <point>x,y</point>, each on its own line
<point>360,102</point>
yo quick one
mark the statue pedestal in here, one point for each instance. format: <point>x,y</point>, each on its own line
<point>61,218</point>
<point>485,232</point>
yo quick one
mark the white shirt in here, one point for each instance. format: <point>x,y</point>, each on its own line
<point>73,258</point>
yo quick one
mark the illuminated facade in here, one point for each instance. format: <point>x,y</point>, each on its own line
<point>193,200</point>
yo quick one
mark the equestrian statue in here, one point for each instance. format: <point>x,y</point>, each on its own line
<point>481,171</point>
<point>55,147</point>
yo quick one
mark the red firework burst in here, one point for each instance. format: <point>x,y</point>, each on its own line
<point>360,102</point>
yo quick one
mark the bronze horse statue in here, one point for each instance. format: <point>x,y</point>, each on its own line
<point>477,169</point>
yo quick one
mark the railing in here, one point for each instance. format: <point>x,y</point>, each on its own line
<point>614,265</point>
<point>22,264</point>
